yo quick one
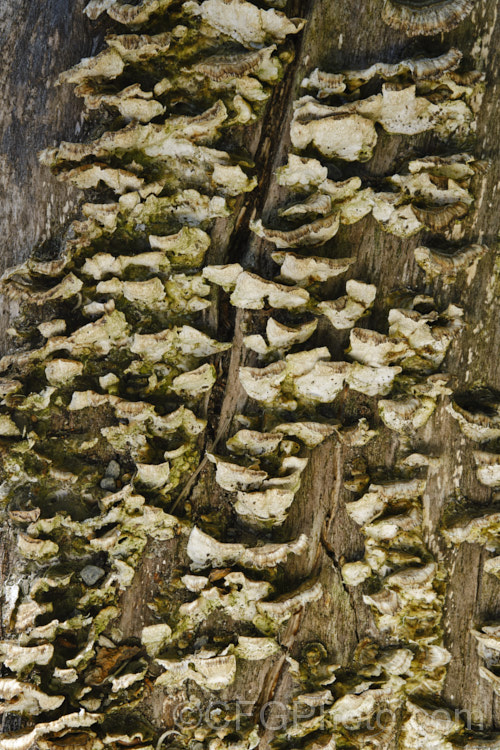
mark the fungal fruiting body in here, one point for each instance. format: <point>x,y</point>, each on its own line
<point>425,16</point>
<point>102,410</point>
<point>103,423</point>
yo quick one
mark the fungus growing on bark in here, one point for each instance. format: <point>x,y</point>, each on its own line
<point>315,233</point>
<point>279,337</point>
<point>243,21</point>
<point>345,311</point>
<point>204,551</point>
<point>207,670</point>
<point>118,387</point>
<point>425,16</point>
<point>488,468</point>
<point>302,270</point>
<point>348,131</point>
<point>446,267</point>
<point>418,69</point>
<point>478,414</point>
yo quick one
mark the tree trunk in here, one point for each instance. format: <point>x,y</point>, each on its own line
<point>340,625</point>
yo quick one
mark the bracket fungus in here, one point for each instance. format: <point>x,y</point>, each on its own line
<point>446,267</point>
<point>203,550</point>
<point>208,671</point>
<point>427,17</point>
<point>418,69</point>
<point>117,386</point>
<point>309,378</point>
<point>102,424</point>
<point>244,22</point>
<point>487,468</point>
<point>410,410</point>
<point>280,337</point>
<point>348,132</point>
<point>478,414</point>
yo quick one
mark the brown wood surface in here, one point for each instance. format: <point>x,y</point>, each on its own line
<point>40,39</point>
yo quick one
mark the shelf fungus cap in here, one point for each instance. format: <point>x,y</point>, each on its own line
<point>324,83</point>
<point>95,7</point>
<point>427,17</point>
<point>233,477</point>
<point>303,270</point>
<point>90,175</point>
<point>267,508</point>
<point>315,700</point>
<point>479,529</point>
<point>251,293</point>
<point>446,267</point>
<point>435,657</point>
<point>62,371</point>
<point>36,549</point>
<point>208,671</point>
<point>430,724</point>
<point>280,336</point>
<point>186,247</point>
<point>155,637</point>
<point>418,68</point>
<point>344,312</point>
<point>153,476</point>
<point>281,610</point>
<point>322,382</point>
<point>411,577</point>
<point>21,697</point>
<point>355,573</point>
<point>375,349</point>
<point>255,649</point>
<point>195,383</point>
<point>492,566</point>
<point>301,173</point>
<point>263,384</point>
<point>406,413</point>
<point>317,232</point>
<point>107,64</point>
<point>355,708</point>
<point>341,135</point>
<point>225,276</point>
<point>27,739</point>
<point>254,443</point>
<point>203,550</point>
<point>244,22</point>
<point>478,421</point>
<point>19,658</point>
<point>488,468</point>
<point>8,427</point>
<point>366,509</point>
<point>129,14</point>
<point>311,434</point>
<point>372,381</point>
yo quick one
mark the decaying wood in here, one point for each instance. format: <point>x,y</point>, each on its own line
<point>37,44</point>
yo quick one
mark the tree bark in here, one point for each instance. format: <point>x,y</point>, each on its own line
<point>40,42</point>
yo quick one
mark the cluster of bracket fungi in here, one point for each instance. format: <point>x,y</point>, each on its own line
<point>104,402</point>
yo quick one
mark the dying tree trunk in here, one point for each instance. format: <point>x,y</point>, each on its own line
<point>38,43</point>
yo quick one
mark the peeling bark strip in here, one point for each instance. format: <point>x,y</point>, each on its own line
<point>116,459</point>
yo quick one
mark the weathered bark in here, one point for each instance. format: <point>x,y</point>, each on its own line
<point>38,42</point>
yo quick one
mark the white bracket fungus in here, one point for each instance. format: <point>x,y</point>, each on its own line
<point>345,311</point>
<point>488,468</point>
<point>204,550</point>
<point>446,267</point>
<point>243,21</point>
<point>429,17</point>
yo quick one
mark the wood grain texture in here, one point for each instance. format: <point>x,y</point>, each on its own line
<point>40,40</point>
<point>37,42</point>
